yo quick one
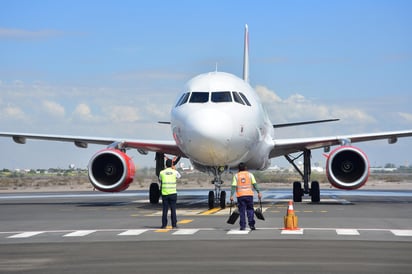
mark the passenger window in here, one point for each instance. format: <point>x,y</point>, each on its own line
<point>221,97</point>
<point>183,99</point>
<point>237,98</point>
<point>245,99</point>
<point>199,97</point>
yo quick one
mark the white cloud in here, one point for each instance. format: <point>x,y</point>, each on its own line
<point>18,83</point>
<point>352,115</point>
<point>297,108</point>
<point>9,33</point>
<point>406,116</point>
<point>267,95</point>
<point>83,112</point>
<point>122,114</point>
<point>53,109</point>
<point>14,113</point>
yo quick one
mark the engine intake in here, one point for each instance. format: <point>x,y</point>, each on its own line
<point>347,167</point>
<point>111,170</point>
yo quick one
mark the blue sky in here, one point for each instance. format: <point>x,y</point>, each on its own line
<point>114,68</point>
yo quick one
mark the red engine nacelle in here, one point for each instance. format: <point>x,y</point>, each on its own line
<point>111,170</point>
<point>347,167</point>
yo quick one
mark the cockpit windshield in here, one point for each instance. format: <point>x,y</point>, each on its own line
<point>199,97</point>
<point>215,97</point>
<point>183,99</point>
<point>237,98</point>
<point>221,97</point>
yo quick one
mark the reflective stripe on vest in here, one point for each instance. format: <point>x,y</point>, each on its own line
<point>168,178</point>
<point>244,184</point>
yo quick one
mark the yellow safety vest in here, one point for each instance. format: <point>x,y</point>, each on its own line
<point>168,179</point>
<point>243,184</point>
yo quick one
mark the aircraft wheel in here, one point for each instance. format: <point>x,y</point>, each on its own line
<point>315,192</point>
<point>211,199</point>
<point>154,193</point>
<point>223,199</point>
<point>297,192</point>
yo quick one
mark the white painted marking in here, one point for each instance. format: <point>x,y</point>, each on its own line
<point>292,232</point>
<point>26,234</point>
<point>79,233</point>
<point>238,232</point>
<point>347,232</point>
<point>185,232</point>
<point>133,232</point>
<point>397,232</point>
<point>157,213</point>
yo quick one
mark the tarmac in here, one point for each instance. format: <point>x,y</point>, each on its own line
<point>364,231</point>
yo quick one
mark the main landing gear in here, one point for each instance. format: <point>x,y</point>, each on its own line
<point>217,196</point>
<point>298,191</point>
<point>154,190</point>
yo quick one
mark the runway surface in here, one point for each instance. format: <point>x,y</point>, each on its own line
<point>361,231</point>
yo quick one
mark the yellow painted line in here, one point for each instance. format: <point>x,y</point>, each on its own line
<point>185,221</point>
<point>163,230</point>
<point>211,211</point>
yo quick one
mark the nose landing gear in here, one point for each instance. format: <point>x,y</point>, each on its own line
<point>218,196</point>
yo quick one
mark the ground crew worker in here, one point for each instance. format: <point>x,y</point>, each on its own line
<point>168,178</point>
<point>175,160</point>
<point>242,184</point>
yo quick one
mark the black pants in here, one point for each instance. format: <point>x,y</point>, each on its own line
<point>245,205</point>
<point>169,201</point>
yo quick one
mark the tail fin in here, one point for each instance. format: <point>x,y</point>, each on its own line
<point>246,56</point>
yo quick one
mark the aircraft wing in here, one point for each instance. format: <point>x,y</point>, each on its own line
<point>167,147</point>
<point>287,146</point>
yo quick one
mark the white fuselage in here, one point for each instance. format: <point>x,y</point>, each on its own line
<point>219,121</point>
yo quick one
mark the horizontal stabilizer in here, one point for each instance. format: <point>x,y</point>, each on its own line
<point>304,123</point>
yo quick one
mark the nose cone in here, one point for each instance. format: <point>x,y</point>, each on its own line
<point>207,137</point>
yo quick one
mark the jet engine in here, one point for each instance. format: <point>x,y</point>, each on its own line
<point>347,167</point>
<point>111,170</point>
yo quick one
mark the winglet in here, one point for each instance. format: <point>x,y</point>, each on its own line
<point>246,55</point>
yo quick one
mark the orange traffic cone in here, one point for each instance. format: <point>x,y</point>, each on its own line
<point>291,220</point>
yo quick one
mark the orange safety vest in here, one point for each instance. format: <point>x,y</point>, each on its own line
<point>244,184</point>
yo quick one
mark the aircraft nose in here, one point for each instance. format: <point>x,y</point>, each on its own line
<point>209,135</point>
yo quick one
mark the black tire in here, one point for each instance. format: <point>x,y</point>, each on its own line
<point>211,199</point>
<point>315,192</point>
<point>223,199</point>
<point>297,192</point>
<point>160,162</point>
<point>154,193</point>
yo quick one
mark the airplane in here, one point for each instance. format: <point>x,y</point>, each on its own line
<point>217,122</point>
